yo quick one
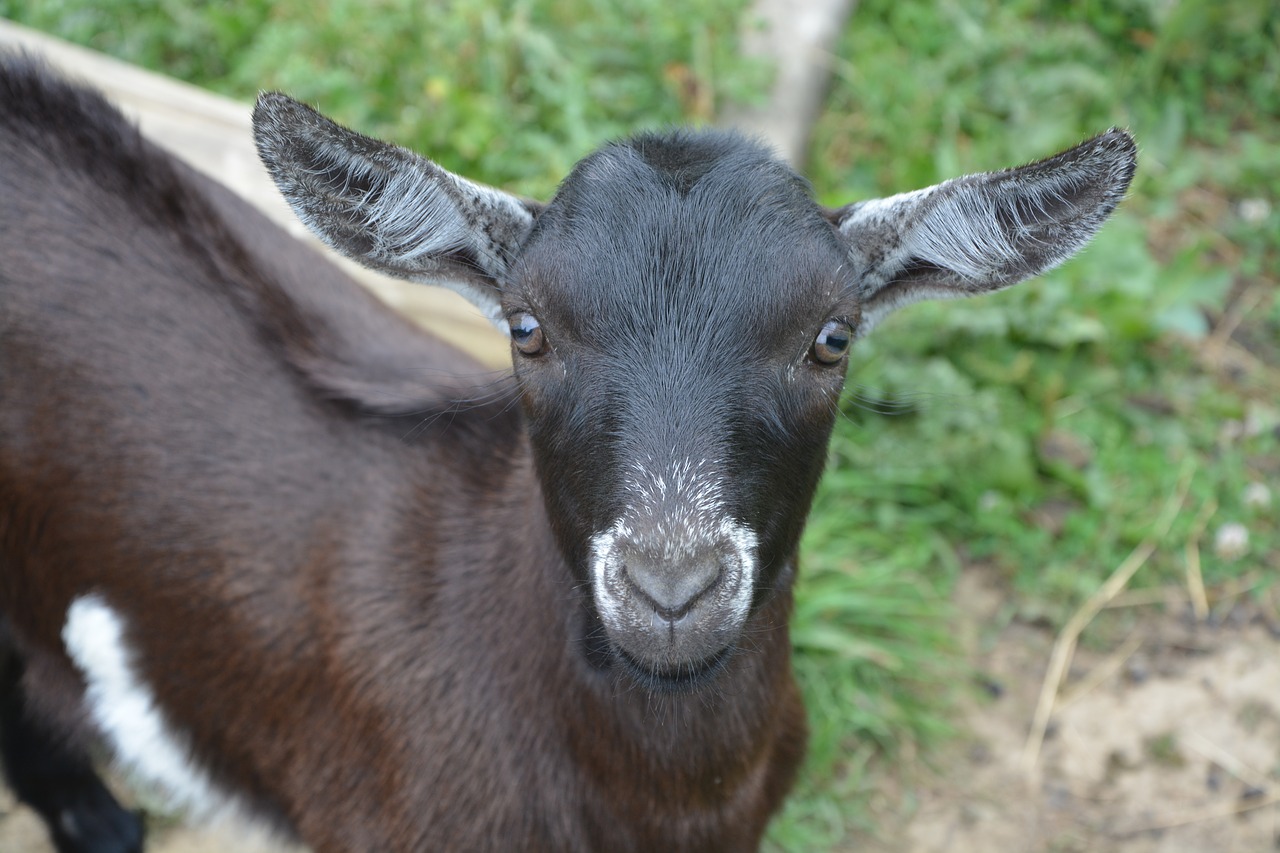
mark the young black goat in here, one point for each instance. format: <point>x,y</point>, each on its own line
<point>250,539</point>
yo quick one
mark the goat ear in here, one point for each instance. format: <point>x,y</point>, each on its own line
<point>984,232</point>
<point>389,208</point>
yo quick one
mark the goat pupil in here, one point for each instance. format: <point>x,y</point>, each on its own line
<point>526,333</point>
<point>832,341</point>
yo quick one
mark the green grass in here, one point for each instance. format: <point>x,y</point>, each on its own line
<point>1038,432</point>
<point>511,93</point>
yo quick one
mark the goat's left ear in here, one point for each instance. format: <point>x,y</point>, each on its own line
<point>388,208</point>
<point>983,232</point>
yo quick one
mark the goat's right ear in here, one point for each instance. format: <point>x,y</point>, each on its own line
<point>388,208</point>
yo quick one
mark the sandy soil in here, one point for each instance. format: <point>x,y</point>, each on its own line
<point>1173,747</point>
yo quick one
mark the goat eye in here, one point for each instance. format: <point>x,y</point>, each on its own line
<point>832,342</point>
<point>526,333</point>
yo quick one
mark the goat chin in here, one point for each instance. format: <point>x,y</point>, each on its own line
<point>683,676</point>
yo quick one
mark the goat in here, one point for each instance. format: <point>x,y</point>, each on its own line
<point>275,547</point>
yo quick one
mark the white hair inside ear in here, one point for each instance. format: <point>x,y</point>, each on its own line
<point>390,209</point>
<point>984,232</point>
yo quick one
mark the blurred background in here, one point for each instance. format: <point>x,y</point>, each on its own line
<point>997,460</point>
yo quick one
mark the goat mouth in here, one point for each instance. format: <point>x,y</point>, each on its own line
<point>676,678</point>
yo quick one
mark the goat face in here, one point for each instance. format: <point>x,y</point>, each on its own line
<point>665,310</point>
<point>680,315</point>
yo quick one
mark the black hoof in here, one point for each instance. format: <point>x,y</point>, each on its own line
<point>58,781</point>
<point>87,819</point>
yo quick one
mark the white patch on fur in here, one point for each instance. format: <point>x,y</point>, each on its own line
<point>606,573</point>
<point>674,516</point>
<point>125,712</point>
<point>745,542</point>
<point>734,592</point>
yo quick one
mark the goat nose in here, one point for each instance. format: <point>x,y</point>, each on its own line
<point>672,585</point>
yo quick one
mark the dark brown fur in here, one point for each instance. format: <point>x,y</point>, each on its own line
<point>339,583</point>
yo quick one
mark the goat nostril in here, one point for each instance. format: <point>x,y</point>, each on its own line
<point>672,587</point>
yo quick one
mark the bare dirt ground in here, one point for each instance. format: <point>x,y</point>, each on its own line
<point>1169,745</point>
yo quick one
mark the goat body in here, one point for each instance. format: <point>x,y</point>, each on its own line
<point>280,549</point>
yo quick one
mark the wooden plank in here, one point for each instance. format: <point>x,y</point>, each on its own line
<point>214,135</point>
